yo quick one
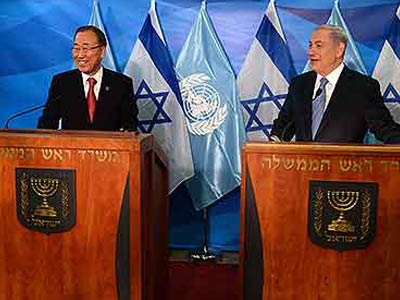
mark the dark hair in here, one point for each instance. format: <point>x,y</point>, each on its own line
<point>99,34</point>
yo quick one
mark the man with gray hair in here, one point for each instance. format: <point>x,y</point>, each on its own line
<point>90,97</point>
<point>333,103</point>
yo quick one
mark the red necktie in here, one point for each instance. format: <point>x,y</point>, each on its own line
<point>91,98</point>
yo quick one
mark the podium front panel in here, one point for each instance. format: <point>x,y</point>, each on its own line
<point>278,259</point>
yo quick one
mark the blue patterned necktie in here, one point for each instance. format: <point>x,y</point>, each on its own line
<point>318,106</point>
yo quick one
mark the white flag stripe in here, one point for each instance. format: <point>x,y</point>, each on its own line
<point>155,22</point>
<point>272,15</point>
<point>387,68</point>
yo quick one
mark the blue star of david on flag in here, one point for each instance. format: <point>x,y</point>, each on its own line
<point>265,98</point>
<point>391,95</point>
<point>144,93</point>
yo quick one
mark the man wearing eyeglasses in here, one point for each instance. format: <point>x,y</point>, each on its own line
<point>90,97</point>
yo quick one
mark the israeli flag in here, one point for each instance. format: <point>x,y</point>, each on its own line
<point>96,20</point>
<point>213,113</point>
<point>158,97</point>
<point>387,68</point>
<point>352,57</point>
<point>265,76</point>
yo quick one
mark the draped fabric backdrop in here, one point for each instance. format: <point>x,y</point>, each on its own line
<point>36,39</point>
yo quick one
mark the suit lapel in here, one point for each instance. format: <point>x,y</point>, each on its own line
<point>79,92</point>
<point>337,100</point>
<point>105,86</point>
<point>308,94</point>
<point>104,92</point>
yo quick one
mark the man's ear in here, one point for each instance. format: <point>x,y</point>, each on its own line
<point>340,50</point>
<point>103,51</point>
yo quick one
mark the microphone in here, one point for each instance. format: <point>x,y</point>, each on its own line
<point>319,92</point>
<point>24,112</point>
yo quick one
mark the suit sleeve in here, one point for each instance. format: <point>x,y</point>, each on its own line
<point>283,127</point>
<point>129,107</point>
<point>378,117</point>
<point>51,112</point>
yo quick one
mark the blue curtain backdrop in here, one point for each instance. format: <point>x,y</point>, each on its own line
<point>36,38</point>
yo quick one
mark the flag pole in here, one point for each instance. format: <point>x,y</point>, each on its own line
<point>204,254</point>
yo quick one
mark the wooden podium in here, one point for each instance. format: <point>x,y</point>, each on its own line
<point>278,261</point>
<point>116,248</point>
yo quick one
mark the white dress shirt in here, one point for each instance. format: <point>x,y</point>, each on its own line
<point>332,78</point>
<point>98,76</point>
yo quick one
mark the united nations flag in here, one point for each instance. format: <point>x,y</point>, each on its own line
<point>342,215</point>
<point>46,199</point>
<point>213,113</point>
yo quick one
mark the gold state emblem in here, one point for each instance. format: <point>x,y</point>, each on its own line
<point>46,199</point>
<point>342,215</point>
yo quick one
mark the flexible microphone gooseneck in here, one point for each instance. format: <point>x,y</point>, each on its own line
<point>21,113</point>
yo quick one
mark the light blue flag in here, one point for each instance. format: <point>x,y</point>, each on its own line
<point>387,68</point>
<point>96,20</point>
<point>213,113</point>
<point>264,78</point>
<point>158,97</point>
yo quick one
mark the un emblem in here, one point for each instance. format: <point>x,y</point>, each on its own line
<point>342,215</point>
<point>46,199</point>
<point>202,104</point>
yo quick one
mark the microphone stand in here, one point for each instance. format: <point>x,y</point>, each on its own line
<point>204,254</point>
<point>22,113</point>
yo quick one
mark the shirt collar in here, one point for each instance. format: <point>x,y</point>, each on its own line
<point>98,75</point>
<point>333,76</point>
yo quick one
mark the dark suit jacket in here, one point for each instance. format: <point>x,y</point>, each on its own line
<point>115,107</point>
<point>356,105</point>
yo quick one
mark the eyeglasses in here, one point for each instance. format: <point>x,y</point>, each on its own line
<point>84,48</point>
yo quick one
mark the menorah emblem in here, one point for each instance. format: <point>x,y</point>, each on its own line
<point>45,188</point>
<point>342,201</point>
